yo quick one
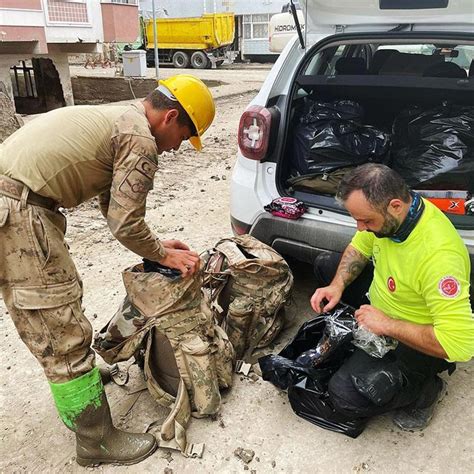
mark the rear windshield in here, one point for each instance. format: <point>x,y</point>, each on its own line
<point>425,59</point>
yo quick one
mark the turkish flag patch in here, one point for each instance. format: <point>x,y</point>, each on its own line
<point>391,284</point>
<point>449,287</point>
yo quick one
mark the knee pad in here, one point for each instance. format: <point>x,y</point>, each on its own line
<point>345,399</point>
<point>325,266</point>
<point>379,386</point>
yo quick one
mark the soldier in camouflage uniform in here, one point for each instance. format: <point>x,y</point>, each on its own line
<point>62,159</point>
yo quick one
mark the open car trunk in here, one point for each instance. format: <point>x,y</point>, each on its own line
<point>408,105</point>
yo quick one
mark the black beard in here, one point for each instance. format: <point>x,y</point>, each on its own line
<point>389,227</point>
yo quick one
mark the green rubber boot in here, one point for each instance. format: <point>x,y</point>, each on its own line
<point>83,407</point>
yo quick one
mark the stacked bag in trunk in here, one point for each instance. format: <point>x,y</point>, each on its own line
<point>431,148</point>
<point>434,148</point>
<point>329,140</point>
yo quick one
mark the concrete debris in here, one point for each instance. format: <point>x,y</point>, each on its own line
<point>246,455</point>
<point>254,377</point>
<point>167,455</point>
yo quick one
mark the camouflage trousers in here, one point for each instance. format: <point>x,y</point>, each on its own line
<point>42,290</point>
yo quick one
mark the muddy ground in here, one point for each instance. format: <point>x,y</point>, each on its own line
<point>191,202</point>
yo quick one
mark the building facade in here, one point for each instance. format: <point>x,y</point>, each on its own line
<point>36,37</point>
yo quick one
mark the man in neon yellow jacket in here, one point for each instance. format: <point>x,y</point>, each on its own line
<point>419,295</point>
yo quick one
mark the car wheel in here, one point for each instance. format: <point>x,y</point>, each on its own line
<point>199,60</point>
<point>180,59</point>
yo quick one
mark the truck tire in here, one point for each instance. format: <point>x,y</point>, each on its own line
<point>180,59</point>
<point>199,60</point>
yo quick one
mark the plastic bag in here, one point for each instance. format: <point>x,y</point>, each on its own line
<point>307,384</point>
<point>310,402</point>
<point>330,135</point>
<point>282,370</point>
<point>375,346</point>
<point>434,148</point>
<point>337,331</point>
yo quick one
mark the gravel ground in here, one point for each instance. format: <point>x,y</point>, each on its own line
<point>190,202</point>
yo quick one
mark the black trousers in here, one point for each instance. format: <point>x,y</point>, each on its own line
<point>366,386</point>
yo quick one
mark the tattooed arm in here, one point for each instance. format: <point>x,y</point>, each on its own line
<point>351,265</point>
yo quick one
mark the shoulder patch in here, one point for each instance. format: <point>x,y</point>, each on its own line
<point>139,180</point>
<point>449,287</point>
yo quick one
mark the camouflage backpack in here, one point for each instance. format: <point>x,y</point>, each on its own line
<point>247,284</point>
<point>187,357</point>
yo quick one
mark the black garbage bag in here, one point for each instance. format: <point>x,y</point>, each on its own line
<point>331,135</point>
<point>282,369</point>
<point>309,401</point>
<point>338,329</point>
<point>307,382</point>
<point>434,148</point>
<point>308,353</point>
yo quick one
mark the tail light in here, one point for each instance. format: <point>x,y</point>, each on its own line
<point>254,132</point>
<point>238,227</point>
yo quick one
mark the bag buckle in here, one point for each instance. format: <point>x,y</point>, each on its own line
<point>242,367</point>
<point>194,450</point>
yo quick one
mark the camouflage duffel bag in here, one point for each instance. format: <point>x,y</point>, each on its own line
<point>247,284</point>
<point>187,357</point>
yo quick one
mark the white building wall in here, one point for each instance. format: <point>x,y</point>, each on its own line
<point>187,8</point>
<point>245,7</point>
<point>11,17</point>
<point>91,32</point>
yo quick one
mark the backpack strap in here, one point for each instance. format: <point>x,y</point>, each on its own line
<point>177,421</point>
<point>232,252</point>
<point>173,429</point>
<point>168,324</point>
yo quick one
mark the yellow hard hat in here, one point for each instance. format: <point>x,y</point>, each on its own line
<point>196,99</point>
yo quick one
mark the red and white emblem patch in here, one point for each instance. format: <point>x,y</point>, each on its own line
<point>391,284</point>
<point>449,287</point>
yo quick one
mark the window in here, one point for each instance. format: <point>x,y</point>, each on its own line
<point>247,31</point>
<point>417,59</point>
<point>256,26</point>
<point>125,2</point>
<point>67,11</point>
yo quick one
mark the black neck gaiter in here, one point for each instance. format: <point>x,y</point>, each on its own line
<point>414,213</point>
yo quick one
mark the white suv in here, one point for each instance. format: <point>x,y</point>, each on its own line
<point>385,56</point>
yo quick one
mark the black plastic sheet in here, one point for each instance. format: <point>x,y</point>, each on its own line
<point>434,148</point>
<point>331,135</point>
<point>311,403</point>
<point>307,383</point>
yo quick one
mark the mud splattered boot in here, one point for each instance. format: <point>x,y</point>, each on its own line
<point>83,407</point>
